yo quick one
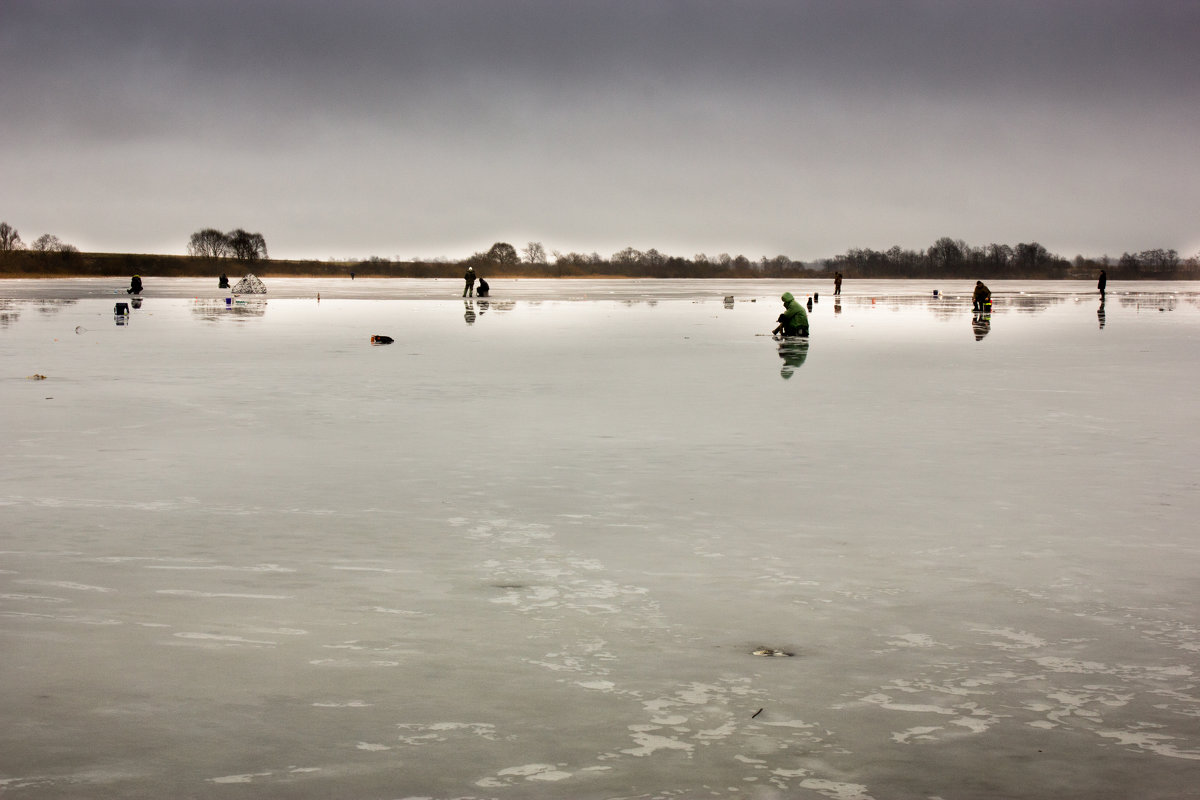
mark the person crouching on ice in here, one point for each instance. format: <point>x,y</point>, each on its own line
<point>981,299</point>
<point>793,321</point>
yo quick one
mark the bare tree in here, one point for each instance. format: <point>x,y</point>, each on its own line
<point>247,246</point>
<point>210,243</point>
<point>503,253</point>
<point>535,253</point>
<point>9,238</point>
<point>947,253</point>
<point>47,243</point>
<point>627,256</point>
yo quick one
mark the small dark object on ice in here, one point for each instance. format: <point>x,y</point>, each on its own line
<point>770,651</point>
<point>377,339</point>
<point>756,713</point>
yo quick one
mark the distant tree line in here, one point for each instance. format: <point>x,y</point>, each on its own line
<point>945,258</point>
<point>10,240</point>
<point>502,258</point>
<point>239,244</point>
<point>956,259</point>
<point>45,254</point>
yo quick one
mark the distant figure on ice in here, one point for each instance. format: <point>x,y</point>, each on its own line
<point>982,299</point>
<point>483,288</point>
<point>135,285</point>
<point>223,283</point>
<point>1103,282</point>
<point>837,283</point>
<point>469,282</point>
<point>793,321</point>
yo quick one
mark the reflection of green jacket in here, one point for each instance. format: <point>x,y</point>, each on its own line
<point>793,316</point>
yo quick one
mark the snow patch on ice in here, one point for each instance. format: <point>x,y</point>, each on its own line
<point>1015,640</point>
<point>920,732</point>
<point>1056,664</point>
<point>441,731</point>
<point>648,744</point>
<point>245,777</point>
<point>885,701</point>
<point>230,595</point>
<point>1151,742</point>
<point>78,587</point>
<point>912,640</point>
<point>530,772</point>
<point>836,790</point>
<point>222,639</point>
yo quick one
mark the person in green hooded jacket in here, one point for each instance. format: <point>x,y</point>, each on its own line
<point>793,321</point>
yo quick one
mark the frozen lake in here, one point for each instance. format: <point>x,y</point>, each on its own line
<point>528,550</point>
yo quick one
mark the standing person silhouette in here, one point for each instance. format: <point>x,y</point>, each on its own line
<point>837,284</point>
<point>1102,283</point>
<point>469,281</point>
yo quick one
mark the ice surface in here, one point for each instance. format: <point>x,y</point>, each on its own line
<point>528,549</point>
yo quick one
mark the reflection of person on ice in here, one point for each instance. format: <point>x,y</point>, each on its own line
<point>981,323</point>
<point>469,278</point>
<point>793,352</point>
<point>793,321</point>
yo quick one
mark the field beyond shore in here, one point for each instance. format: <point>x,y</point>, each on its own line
<point>32,264</point>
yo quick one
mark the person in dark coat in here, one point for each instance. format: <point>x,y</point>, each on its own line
<point>1103,282</point>
<point>223,283</point>
<point>982,299</point>
<point>135,285</point>
<point>483,288</point>
<point>469,281</point>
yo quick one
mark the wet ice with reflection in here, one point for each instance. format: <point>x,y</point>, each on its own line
<point>539,550</point>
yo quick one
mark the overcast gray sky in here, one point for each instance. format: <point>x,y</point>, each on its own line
<point>426,129</point>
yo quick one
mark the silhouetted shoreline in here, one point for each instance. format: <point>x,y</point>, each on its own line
<point>854,265</point>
